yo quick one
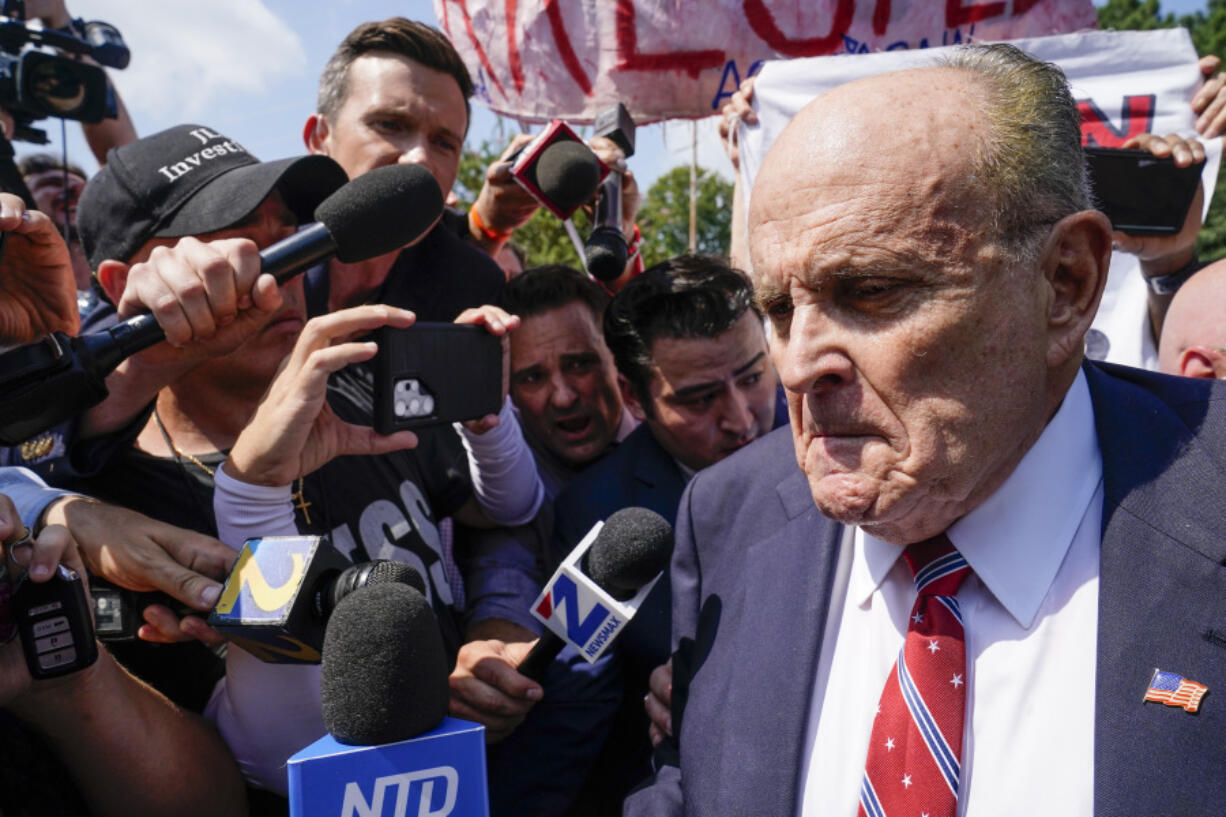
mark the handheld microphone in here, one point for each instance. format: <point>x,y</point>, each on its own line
<point>384,694</point>
<point>283,590</point>
<point>606,251</point>
<point>560,172</point>
<point>51,380</point>
<point>599,587</point>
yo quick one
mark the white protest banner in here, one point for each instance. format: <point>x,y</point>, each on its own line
<point>1125,83</point>
<point>543,59</point>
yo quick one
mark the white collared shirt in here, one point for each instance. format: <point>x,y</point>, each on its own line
<point>1122,332</point>
<point>1031,616</point>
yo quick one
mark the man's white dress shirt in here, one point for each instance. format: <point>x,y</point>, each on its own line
<point>1031,614</point>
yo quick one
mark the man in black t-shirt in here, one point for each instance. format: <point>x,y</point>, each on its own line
<point>385,502</point>
<point>384,506</point>
<point>396,92</point>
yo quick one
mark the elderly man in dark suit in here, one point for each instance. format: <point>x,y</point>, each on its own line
<point>996,567</point>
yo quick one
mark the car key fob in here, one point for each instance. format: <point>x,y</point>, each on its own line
<point>53,618</point>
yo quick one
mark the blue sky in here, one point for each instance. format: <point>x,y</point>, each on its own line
<point>248,69</point>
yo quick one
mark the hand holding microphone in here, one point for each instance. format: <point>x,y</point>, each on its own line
<point>47,382</point>
<point>607,249</point>
<point>598,587</point>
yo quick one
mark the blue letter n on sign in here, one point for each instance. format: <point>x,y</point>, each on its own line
<point>566,593</point>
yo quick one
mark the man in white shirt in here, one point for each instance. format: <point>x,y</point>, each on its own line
<point>924,247</point>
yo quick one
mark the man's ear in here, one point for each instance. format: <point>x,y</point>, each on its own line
<point>630,398</point>
<point>1201,361</point>
<point>1074,260</point>
<point>315,133</point>
<point>113,276</point>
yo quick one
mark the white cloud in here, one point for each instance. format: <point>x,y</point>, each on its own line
<point>189,57</point>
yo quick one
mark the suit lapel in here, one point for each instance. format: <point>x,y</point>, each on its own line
<point>779,620</point>
<point>658,482</point>
<point>1162,597</point>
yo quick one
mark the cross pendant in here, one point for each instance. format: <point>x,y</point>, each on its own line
<point>301,504</point>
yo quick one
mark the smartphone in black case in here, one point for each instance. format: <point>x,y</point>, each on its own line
<point>435,373</point>
<point>1140,193</point>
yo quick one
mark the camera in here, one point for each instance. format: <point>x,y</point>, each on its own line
<point>41,74</point>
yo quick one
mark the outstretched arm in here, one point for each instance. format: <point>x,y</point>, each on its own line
<point>129,749</point>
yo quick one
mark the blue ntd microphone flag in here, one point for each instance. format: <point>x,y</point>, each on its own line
<point>440,773</point>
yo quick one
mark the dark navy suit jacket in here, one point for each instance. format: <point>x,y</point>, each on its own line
<point>751,585</point>
<point>545,768</point>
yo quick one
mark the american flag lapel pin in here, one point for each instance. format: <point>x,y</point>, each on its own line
<point>1175,690</point>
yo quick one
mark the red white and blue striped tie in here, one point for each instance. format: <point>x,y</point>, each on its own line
<point>915,754</point>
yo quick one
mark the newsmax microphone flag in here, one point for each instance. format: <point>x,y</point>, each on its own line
<point>599,586</point>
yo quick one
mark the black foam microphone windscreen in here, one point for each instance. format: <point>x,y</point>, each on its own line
<point>365,574</point>
<point>568,174</point>
<point>634,545</point>
<point>409,202</point>
<point>384,672</point>
<point>605,253</point>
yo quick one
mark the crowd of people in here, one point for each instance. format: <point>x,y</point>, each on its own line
<point>894,365</point>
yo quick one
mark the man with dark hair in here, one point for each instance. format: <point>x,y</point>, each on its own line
<point>693,369</point>
<point>397,35</point>
<point>563,381</point>
<point>691,355</point>
<point>396,91</point>
<point>564,388</point>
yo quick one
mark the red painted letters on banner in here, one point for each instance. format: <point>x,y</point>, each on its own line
<point>540,59</point>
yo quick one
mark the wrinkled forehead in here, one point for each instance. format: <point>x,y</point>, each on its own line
<point>873,152</point>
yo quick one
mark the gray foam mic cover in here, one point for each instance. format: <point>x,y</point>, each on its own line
<point>633,546</point>
<point>384,673</point>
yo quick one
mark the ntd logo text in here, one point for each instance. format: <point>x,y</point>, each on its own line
<point>391,795</point>
<point>563,601</point>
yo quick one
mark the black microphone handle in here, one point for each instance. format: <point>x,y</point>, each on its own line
<point>283,260</point>
<point>540,657</point>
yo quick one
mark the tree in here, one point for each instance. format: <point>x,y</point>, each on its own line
<point>664,218</point>
<point>1208,32</point>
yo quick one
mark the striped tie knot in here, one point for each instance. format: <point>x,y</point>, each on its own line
<point>938,568</point>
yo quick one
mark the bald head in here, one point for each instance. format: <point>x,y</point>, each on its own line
<point>1004,122</point>
<point>848,138</point>
<point>1194,332</point>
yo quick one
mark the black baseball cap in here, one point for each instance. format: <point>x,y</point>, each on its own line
<point>189,180</point>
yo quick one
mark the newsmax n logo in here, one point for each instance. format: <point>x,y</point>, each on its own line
<point>393,795</point>
<point>589,631</point>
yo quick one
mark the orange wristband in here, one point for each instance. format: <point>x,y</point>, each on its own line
<point>474,220</point>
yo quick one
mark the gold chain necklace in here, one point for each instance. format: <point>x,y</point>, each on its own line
<point>298,497</point>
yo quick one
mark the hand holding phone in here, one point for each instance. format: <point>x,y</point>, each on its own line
<point>436,373</point>
<point>1141,193</point>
